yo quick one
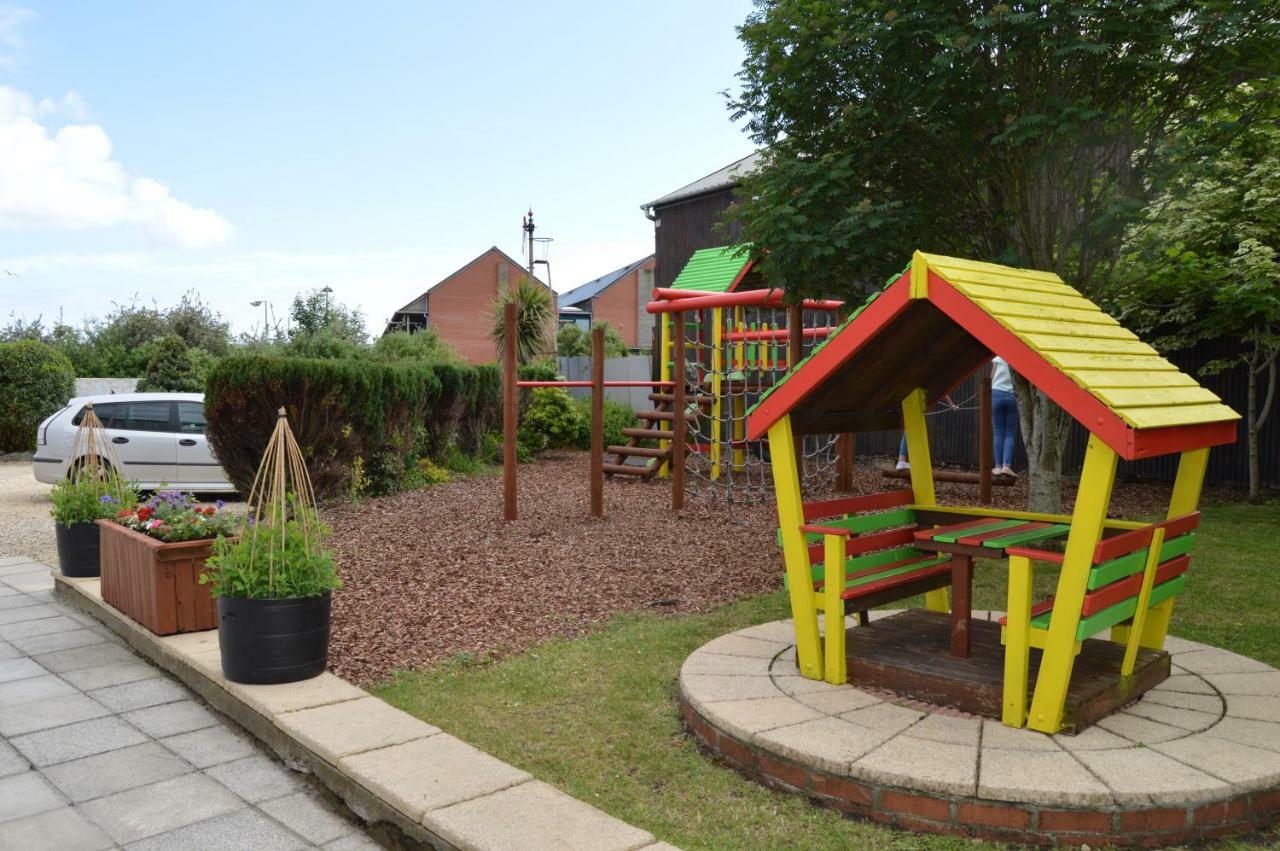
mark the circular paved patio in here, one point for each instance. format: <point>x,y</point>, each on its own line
<point>1196,757</point>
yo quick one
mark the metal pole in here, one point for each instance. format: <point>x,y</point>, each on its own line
<point>985,460</point>
<point>510,414</point>
<point>597,422</point>
<point>678,424</point>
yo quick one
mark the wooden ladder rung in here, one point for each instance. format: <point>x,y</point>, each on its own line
<point>628,470</point>
<point>639,451</point>
<point>671,397</point>
<point>647,433</point>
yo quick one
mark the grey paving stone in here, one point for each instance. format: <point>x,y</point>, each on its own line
<point>1265,682</point>
<point>210,746</point>
<point>715,663</point>
<point>840,700</point>
<point>62,829</point>
<point>257,778</point>
<point>18,692</point>
<point>9,561</point>
<point>1260,707</point>
<point>26,794</point>
<point>89,656</point>
<point>51,712</point>
<point>742,718</point>
<point>922,764</point>
<point>115,771</point>
<point>1210,703</point>
<point>1139,730</point>
<point>1244,731</point>
<point>945,728</point>
<point>11,762</point>
<point>160,807</point>
<point>169,719</point>
<point>32,612</point>
<point>1187,719</point>
<point>1212,660</point>
<point>353,842</point>
<point>1138,775</point>
<point>18,601</point>
<point>8,651</point>
<point>37,626</point>
<point>1190,683</point>
<point>113,674</point>
<point>996,735</point>
<point>1039,777</point>
<point>709,688</point>
<point>827,742</point>
<point>341,729</point>
<point>1246,766</point>
<point>305,814</point>
<point>19,669</point>
<point>74,741</point>
<point>246,828</point>
<point>140,694</point>
<point>80,637</point>
<point>38,580</point>
<point>886,717</point>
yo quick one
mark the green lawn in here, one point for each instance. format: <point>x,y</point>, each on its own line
<point>597,716</point>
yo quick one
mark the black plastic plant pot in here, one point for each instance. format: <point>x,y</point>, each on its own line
<point>78,549</point>
<point>265,642</point>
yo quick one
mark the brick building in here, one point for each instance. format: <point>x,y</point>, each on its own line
<point>460,307</point>
<point>618,298</point>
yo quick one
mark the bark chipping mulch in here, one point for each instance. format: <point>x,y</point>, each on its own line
<point>436,572</point>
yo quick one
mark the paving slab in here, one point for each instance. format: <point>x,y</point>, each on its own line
<point>25,795</point>
<point>33,612</point>
<point>708,688</point>
<point>1255,706</point>
<point>140,694</point>
<point>32,689</point>
<point>11,762</point>
<point>716,663</point>
<point>210,746</point>
<point>256,778</point>
<point>886,717</point>
<point>50,712</point>
<point>37,626</point>
<point>89,656</point>
<point>290,697</point>
<point>736,645</point>
<point>37,644</point>
<point>160,807</point>
<point>62,829</point>
<point>533,815</point>
<point>305,814</point>
<point>86,738</point>
<point>354,726</point>
<point>1144,775</point>
<point>743,718</point>
<point>1040,777</point>
<point>19,669</point>
<point>1240,764</point>
<point>922,764</point>
<point>245,828</point>
<point>839,700</point>
<point>115,771</point>
<point>431,773</point>
<point>1000,736</point>
<point>112,674</point>
<point>169,719</point>
<point>829,743</point>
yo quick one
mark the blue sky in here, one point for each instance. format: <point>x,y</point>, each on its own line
<point>250,150</point>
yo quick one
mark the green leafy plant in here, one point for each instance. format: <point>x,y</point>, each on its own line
<point>553,421</point>
<point>274,561</point>
<point>533,319</point>
<point>35,381</point>
<point>617,416</point>
<point>172,369</point>
<point>572,341</point>
<point>172,516</point>
<point>83,500</point>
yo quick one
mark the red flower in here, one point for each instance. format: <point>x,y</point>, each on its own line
<point>144,513</point>
<point>124,514</point>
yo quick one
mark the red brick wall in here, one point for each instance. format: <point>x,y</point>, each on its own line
<point>460,307</point>
<point>618,306</point>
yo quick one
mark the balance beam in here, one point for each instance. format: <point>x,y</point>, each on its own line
<point>960,477</point>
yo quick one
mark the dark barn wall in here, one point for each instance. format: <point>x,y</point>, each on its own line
<point>686,226</point>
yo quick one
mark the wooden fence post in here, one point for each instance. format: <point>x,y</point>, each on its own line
<point>678,424</point>
<point>985,460</point>
<point>597,422</point>
<point>510,414</point>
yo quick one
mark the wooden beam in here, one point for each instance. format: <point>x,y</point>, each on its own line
<point>597,422</point>
<point>510,412</point>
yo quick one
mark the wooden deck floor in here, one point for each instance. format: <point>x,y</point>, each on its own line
<point>908,654</point>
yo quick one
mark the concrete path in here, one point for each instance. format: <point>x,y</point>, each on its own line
<point>100,749</point>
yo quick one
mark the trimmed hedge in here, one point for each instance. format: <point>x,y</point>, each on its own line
<point>387,415</point>
<point>35,380</point>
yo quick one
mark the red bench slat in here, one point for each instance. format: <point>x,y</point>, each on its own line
<point>867,543</point>
<point>856,504</point>
<point>1109,595</point>
<point>976,540</point>
<point>900,579</point>
<point>1127,542</point>
<point>927,534</point>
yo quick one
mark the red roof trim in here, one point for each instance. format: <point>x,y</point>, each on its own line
<point>742,273</point>
<point>893,301</point>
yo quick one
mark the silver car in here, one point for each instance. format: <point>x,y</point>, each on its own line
<point>158,439</point>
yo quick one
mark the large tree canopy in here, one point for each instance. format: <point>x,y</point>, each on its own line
<point>1019,133</point>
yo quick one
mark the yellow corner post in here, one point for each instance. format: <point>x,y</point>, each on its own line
<point>1144,601</point>
<point>717,369</point>
<point>1017,641</point>
<point>919,276</point>
<point>795,550</point>
<point>1087,521</point>
<point>664,373</point>
<point>913,423</point>
<point>833,609</point>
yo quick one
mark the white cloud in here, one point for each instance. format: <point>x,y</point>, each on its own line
<point>11,20</point>
<point>67,179</point>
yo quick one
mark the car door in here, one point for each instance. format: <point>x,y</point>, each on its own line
<point>144,439</point>
<point>196,464</point>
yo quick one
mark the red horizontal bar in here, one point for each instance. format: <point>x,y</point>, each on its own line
<point>702,301</point>
<point>856,504</point>
<point>779,334</point>
<point>1123,544</point>
<point>588,384</point>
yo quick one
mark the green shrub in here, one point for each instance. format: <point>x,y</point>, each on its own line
<point>420,346</point>
<point>35,380</point>
<point>171,369</point>
<point>82,500</point>
<point>553,421</point>
<point>617,416</point>
<point>264,564</point>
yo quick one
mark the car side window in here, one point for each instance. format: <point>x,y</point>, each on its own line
<point>144,416</point>
<point>191,418</point>
<point>106,411</point>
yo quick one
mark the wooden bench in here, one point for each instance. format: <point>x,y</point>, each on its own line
<point>1130,573</point>
<point>861,555</point>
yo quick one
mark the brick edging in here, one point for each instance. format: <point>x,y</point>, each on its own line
<point>999,821</point>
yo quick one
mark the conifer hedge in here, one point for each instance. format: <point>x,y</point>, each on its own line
<point>386,415</point>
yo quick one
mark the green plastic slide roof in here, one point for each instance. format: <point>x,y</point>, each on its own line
<point>713,270</point>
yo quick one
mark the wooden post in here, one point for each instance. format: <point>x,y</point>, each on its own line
<point>678,424</point>
<point>846,447</point>
<point>985,459</point>
<point>795,354</point>
<point>510,414</point>
<point>597,422</point>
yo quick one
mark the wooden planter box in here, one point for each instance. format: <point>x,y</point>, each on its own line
<point>156,584</point>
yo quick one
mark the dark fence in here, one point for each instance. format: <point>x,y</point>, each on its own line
<point>953,435</point>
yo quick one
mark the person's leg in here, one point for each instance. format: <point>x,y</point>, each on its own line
<point>1009,415</point>
<point>903,463</point>
<point>997,432</point>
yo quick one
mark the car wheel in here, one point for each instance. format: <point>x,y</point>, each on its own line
<point>86,467</point>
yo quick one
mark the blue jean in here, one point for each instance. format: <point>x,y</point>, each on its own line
<point>902,447</point>
<point>1004,425</point>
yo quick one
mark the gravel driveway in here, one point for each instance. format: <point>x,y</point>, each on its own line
<point>25,525</point>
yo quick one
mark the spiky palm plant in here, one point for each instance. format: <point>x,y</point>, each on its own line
<point>533,320</point>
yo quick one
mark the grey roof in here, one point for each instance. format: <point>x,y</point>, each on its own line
<point>591,289</point>
<point>727,176</point>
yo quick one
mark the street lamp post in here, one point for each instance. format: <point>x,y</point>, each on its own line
<point>265,305</point>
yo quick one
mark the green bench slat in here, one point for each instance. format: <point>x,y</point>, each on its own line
<point>1118,613</point>
<point>886,574</point>
<point>862,562</point>
<point>951,537</point>
<point>1127,565</point>
<point>860,523</point>
<point>1026,537</point>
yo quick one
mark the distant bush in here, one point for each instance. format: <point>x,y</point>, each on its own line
<point>171,369</point>
<point>617,416</point>
<point>553,421</point>
<point>35,380</point>
<point>385,415</point>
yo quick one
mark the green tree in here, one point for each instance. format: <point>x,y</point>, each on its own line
<point>315,314</point>
<point>1203,261</point>
<point>573,342</point>
<point>1022,133</point>
<point>35,380</point>
<point>533,316</point>
<point>423,345</point>
<point>171,369</point>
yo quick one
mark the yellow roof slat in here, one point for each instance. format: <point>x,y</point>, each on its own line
<point>1155,397</point>
<point>1097,379</point>
<point>1072,302</point>
<point>942,261</point>
<point>1026,325</point>
<point>965,277</point>
<point>1002,308</point>
<point>1069,361</point>
<point>1176,415</point>
<point>1087,343</point>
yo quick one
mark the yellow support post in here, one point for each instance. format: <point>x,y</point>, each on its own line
<point>1017,641</point>
<point>717,368</point>
<point>1144,601</point>
<point>664,373</point>
<point>1087,521</point>
<point>740,399</point>
<point>795,550</point>
<point>833,609</point>
<point>913,423</point>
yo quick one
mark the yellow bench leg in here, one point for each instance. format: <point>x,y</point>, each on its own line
<point>833,609</point>
<point>922,491</point>
<point>1017,643</point>
<point>795,550</point>
<point>1144,601</point>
